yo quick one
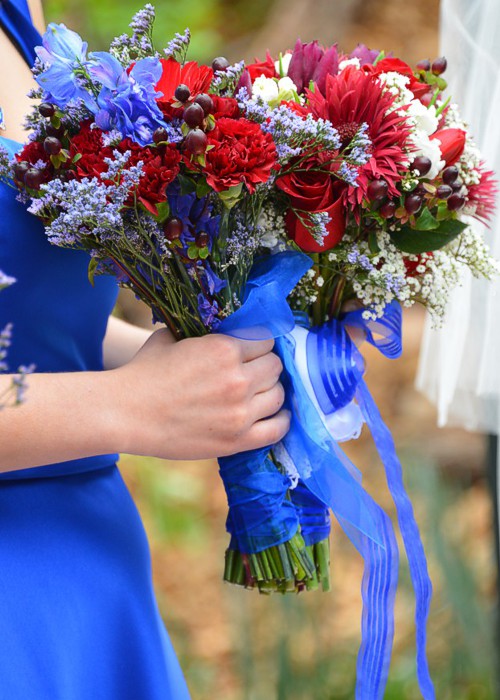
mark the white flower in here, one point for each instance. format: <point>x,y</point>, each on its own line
<point>286,84</point>
<point>424,146</point>
<point>396,85</point>
<point>270,239</point>
<point>349,62</point>
<point>424,118</point>
<point>265,88</point>
<point>285,64</point>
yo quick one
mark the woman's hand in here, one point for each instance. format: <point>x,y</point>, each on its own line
<point>199,398</point>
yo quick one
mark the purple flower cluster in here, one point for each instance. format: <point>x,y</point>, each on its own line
<point>320,221</point>
<point>140,44</point>
<point>225,82</point>
<point>5,340</point>
<point>177,48</point>
<point>355,257</point>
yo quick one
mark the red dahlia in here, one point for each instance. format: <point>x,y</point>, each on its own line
<point>351,99</point>
<point>241,153</point>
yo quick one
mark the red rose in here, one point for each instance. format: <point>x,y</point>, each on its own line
<point>396,65</point>
<point>311,192</point>
<point>241,153</point>
<point>266,68</point>
<point>452,144</point>
<point>88,144</point>
<point>225,107</point>
<point>161,167</point>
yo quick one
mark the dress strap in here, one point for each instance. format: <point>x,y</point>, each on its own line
<point>15,20</point>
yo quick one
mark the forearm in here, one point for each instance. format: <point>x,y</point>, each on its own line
<point>65,416</point>
<point>122,341</point>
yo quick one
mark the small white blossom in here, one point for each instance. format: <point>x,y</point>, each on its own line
<point>349,62</point>
<point>265,88</point>
<point>422,117</point>
<point>430,148</point>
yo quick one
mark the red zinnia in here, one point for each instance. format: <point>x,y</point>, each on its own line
<point>241,153</point>
<point>351,99</point>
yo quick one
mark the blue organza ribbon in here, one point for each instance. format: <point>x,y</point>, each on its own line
<point>259,515</point>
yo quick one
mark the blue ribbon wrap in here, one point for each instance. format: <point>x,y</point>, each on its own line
<point>260,516</point>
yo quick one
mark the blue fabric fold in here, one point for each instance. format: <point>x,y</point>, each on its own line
<point>259,513</point>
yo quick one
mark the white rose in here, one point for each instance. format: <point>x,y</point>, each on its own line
<point>424,117</point>
<point>285,64</point>
<point>265,88</point>
<point>424,146</point>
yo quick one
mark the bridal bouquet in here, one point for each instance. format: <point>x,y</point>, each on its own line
<point>306,197</point>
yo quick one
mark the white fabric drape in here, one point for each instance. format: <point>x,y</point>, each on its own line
<point>460,363</point>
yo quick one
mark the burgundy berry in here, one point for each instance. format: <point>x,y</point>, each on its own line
<point>450,175</point>
<point>173,229</point>
<point>160,135</point>
<point>196,142</point>
<point>455,202</point>
<point>422,164</point>
<point>413,203</point>
<point>220,63</point>
<point>425,64</point>
<point>52,145</point>
<point>20,170</point>
<point>439,65</point>
<point>182,93</point>
<point>46,109</point>
<point>444,191</point>
<point>194,115</point>
<point>387,209</point>
<point>457,185</point>
<point>56,131</point>
<point>33,178</point>
<point>205,102</point>
<point>202,239</point>
<point>377,189</point>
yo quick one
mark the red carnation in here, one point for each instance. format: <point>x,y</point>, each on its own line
<point>33,152</point>
<point>197,78</point>
<point>160,168</point>
<point>225,107</point>
<point>312,191</point>
<point>241,153</point>
<point>88,144</point>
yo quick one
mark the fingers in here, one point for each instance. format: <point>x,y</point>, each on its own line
<point>267,403</point>
<point>251,349</point>
<point>268,431</point>
<point>263,372</point>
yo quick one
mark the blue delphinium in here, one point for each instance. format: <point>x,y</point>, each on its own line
<point>127,101</point>
<point>208,311</point>
<point>65,62</point>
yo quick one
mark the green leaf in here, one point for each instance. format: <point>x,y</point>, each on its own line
<point>163,211</point>
<point>426,222</point>
<point>76,157</point>
<point>203,253</point>
<point>202,188</point>
<point>231,196</point>
<point>91,271</point>
<point>373,242</point>
<point>187,185</point>
<point>192,251</point>
<point>412,241</point>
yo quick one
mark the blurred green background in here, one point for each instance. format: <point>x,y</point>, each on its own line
<point>233,644</point>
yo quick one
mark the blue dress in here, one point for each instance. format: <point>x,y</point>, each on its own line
<point>78,616</point>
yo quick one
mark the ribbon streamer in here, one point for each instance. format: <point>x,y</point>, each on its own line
<point>259,516</point>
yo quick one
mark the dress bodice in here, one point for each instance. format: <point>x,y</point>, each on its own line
<point>59,319</point>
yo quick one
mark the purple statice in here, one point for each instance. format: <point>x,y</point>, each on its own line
<point>64,77</point>
<point>243,242</point>
<point>178,47</point>
<point>127,100</point>
<point>348,173</point>
<point>20,384</point>
<point>254,108</point>
<point>356,257</point>
<point>112,138</point>
<point>2,119</point>
<point>128,48</point>
<point>319,221</point>
<point>359,150</point>
<point>5,341</point>
<point>226,81</point>
<point>393,283</point>
<point>290,132</point>
<point>208,311</point>
<point>5,165</point>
